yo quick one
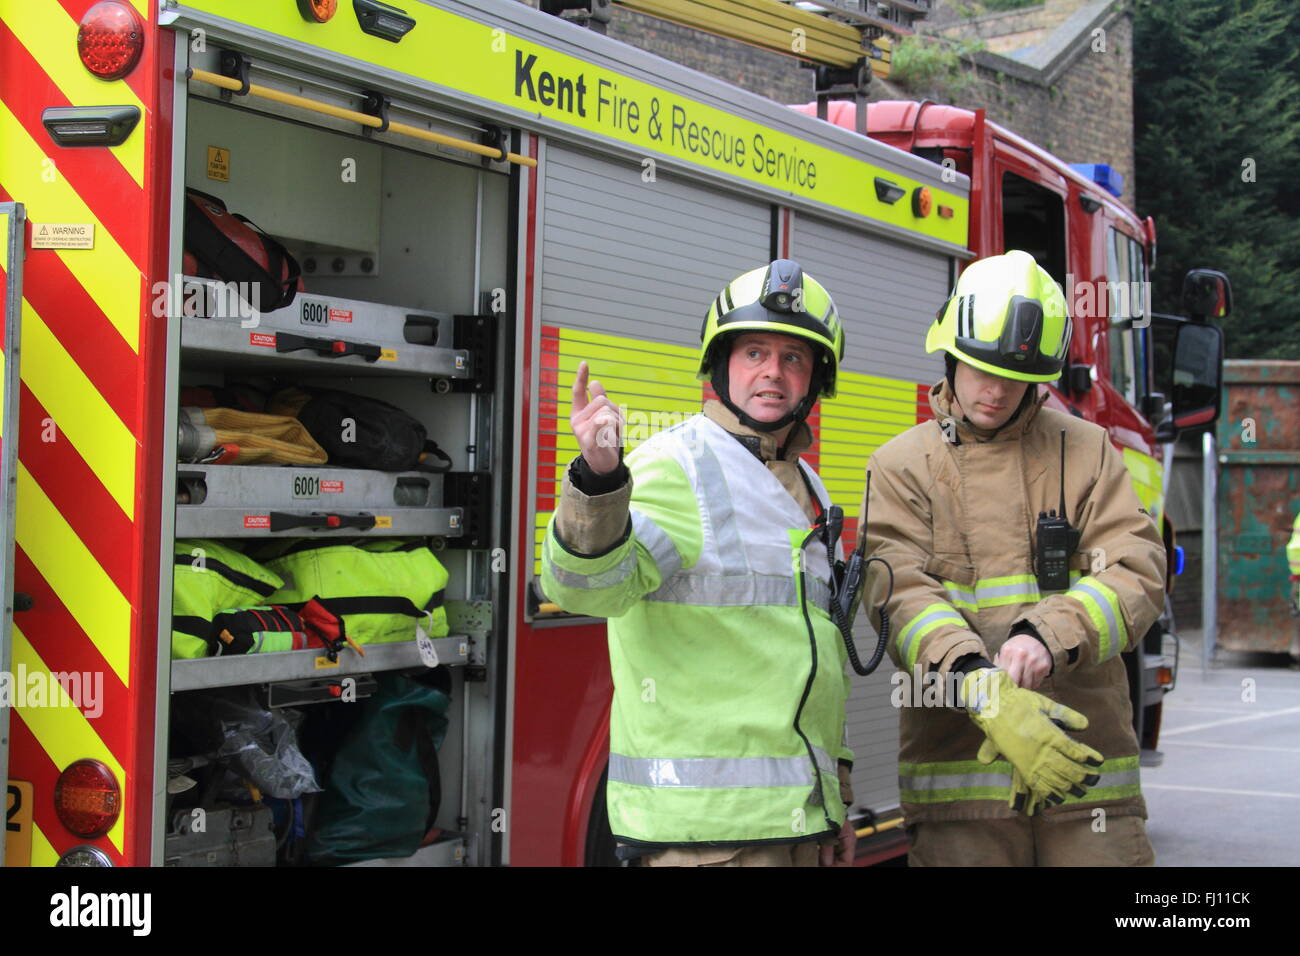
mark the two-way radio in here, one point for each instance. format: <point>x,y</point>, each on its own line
<point>1056,542</point>
<point>847,579</point>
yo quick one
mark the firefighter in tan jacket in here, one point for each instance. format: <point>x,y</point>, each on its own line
<point>1017,742</point>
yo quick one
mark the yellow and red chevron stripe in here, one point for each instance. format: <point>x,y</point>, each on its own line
<point>87,528</point>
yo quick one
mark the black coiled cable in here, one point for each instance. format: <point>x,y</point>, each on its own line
<point>842,622</point>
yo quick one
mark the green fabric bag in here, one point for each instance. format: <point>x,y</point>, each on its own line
<point>208,578</point>
<point>383,789</point>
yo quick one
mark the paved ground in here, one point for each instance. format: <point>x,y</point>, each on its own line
<point>1228,790</point>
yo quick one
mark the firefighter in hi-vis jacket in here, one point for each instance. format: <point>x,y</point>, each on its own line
<point>1029,757</point>
<point>727,727</point>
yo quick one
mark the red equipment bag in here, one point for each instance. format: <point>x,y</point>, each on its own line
<point>223,245</point>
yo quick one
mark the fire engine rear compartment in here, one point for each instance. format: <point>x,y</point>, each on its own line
<point>404,249</point>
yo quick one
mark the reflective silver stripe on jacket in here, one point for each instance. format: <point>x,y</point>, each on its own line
<point>744,590</point>
<point>966,781</point>
<point>717,772</point>
<point>1111,641</point>
<point>658,543</point>
<point>609,578</point>
<point>917,626</point>
<point>737,585</point>
<point>720,509</point>
<point>954,781</point>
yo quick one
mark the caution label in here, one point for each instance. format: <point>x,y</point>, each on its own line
<point>257,521</point>
<point>340,315</point>
<point>219,164</point>
<point>331,487</point>
<point>63,235</point>
<point>262,338</point>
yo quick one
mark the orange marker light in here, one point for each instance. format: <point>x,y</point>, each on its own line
<point>320,11</point>
<point>921,202</point>
<point>945,212</point>
<point>110,39</point>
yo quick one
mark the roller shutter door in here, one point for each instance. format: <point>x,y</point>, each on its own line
<point>638,259</point>
<point>886,293</point>
<point>628,271</point>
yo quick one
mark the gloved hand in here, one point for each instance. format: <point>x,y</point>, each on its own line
<point>1023,800</point>
<point>1026,728</point>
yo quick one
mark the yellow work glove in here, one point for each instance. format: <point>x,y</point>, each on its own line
<point>1023,800</point>
<point>1026,728</point>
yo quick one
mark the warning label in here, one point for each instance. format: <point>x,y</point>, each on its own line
<point>262,338</point>
<point>340,315</point>
<point>63,235</point>
<point>257,521</point>
<point>330,487</point>
<point>219,164</point>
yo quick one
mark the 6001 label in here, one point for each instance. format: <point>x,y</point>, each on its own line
<point>315,313</point>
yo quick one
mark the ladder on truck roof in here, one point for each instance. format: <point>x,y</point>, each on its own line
<point>847,42</point>
<point>836,33</point>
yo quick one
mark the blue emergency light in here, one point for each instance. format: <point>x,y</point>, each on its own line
<point>1102,175</point>
<point>1180,559</point>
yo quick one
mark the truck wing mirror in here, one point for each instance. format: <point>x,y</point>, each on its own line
<point>1198,376</point>
<point>1207,294</point>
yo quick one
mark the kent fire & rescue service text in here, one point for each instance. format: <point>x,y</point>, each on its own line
<point>674,126</point>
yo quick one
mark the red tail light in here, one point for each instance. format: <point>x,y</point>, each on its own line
<point>87,799</point>
<point>110,39</point>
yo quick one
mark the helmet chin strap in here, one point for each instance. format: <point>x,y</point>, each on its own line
<point>950,371</point>
<point>722,386</point>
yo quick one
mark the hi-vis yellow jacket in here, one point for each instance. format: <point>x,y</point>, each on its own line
<point>954,511</point>
<point>727,724</point>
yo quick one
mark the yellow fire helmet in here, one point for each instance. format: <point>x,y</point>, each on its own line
<point>779,297</point>
<point>1008,317</point>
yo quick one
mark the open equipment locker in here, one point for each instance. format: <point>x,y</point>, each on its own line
<point>401,329</point>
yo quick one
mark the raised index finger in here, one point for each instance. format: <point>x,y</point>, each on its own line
<point>580,388</point>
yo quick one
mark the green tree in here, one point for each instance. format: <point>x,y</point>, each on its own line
<point>1216,88</point>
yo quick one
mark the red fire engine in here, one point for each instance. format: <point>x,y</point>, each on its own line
<point>480,196</point>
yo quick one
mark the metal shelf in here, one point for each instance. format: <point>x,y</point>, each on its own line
<point>206,672</point>
<point>258,501</point>
<point>446,852</point>
<point>318,332</point>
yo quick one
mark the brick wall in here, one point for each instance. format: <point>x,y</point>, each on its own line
<point>1085,116</point>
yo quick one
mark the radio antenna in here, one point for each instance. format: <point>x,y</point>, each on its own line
<point>1062,511</point>
<point>862,527</point>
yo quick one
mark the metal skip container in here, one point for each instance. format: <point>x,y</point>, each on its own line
<point>1258,495</point>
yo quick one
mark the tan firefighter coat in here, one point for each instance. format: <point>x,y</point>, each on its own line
<point>956,520</point>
